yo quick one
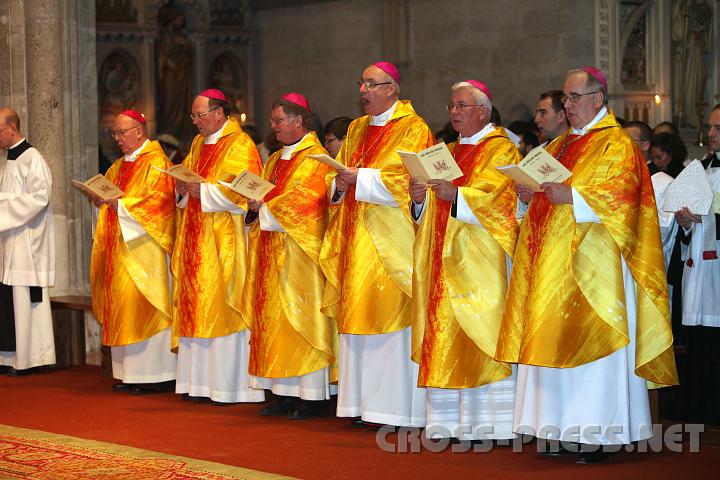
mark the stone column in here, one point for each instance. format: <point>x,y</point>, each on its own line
<point>47,48</point>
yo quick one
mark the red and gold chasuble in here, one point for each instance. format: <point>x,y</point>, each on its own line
<point>366,254</point>
<point>129,280</point>
<point>208,262</point>
<point>566,302</point>
<point>461,273</point>
<point>284,287</point>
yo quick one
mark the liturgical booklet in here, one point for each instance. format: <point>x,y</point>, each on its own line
<point>329,161</point>
<point>182,173</point>
<point>537,167</point>
<point>690,189</point>
<point>249,185</point>
<point>434,163</point>
<point>99,186</point>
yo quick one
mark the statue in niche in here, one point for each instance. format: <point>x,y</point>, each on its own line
<point>118,82</point>
<point>227,75</point>
<point>691,35</point>
<point>174,73</point>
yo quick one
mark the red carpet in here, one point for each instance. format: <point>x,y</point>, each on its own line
<point>79,402</point>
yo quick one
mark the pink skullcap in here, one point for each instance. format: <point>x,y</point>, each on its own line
<point>297,99</point>
<point>390,69</point>
<point>598,74</point>
<point>213,93</point>
<point>135,115</point>
<point>480,86</point>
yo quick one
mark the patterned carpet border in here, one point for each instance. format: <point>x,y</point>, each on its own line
<point>38,455</point>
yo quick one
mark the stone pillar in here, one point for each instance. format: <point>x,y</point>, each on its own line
<point>47,48</point>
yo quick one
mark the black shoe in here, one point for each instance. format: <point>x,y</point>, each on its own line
<point>157,387</point>
<point>122,387</point>
<point>308,409</point>
<point>191,398</point>
<point>359,423</point>
<point>281,406</point>
<point>557,449</point>
<point>12,372</point>
<point>591,458</point>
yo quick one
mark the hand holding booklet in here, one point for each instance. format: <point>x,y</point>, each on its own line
<point>249,185</point>
<point>99,186</point>
<point>329,161</point>
<point>182,173</point>
<point>434,163</point>
<point>536,168</point>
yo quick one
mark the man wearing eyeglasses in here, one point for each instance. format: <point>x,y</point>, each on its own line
<point>463,247</point>
<point>367,257</point>
<point>587,316</point>
<point>129,277</point>
<point>292,341</point>
<point>209,259</point>
<point>27,252</point>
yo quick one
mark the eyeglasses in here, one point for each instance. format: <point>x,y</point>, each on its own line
<point>277,121</point>
<point>330,140</point>
<point>123,132</point>
<point>196,116</point>
<point>460,107</point>
<point>370,85</point>
<point>574,97</point>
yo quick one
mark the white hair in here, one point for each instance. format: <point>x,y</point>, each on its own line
<point>479,95</point>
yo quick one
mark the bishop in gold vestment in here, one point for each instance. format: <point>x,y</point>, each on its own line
<point>129,275</point>
<point>464,243</point>
<point>587,314</point>
<point>209,259</point>
<point>367,257</point>
<point>292,341</point>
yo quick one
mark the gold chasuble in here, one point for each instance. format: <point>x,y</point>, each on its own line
<point>461,274</point>
<point>130,285</point>
<point>566,302</point>
<point>284,284</point>
<point>208,262</point>
<point>366,254</point>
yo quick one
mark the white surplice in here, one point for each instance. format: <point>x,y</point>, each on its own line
<point>701,274</point>
<point>27,253</point>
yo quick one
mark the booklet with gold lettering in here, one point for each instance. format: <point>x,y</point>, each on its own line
<point>98,186</point>
<point>329,161</point>
<point>182,173</point>
<point>434,163</point>
<point>537,167</point>
<point>249,185</point>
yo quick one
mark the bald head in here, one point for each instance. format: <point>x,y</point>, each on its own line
<point>378,90</point>
<point>9,128</point>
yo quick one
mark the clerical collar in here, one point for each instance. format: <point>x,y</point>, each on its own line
<point>288,150</point>
<point>473,140</point>
<point>14,152</point>
<point>214,137</point>
<point>382,119</point>
<point>131,157</point>
<point>600,115</point>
